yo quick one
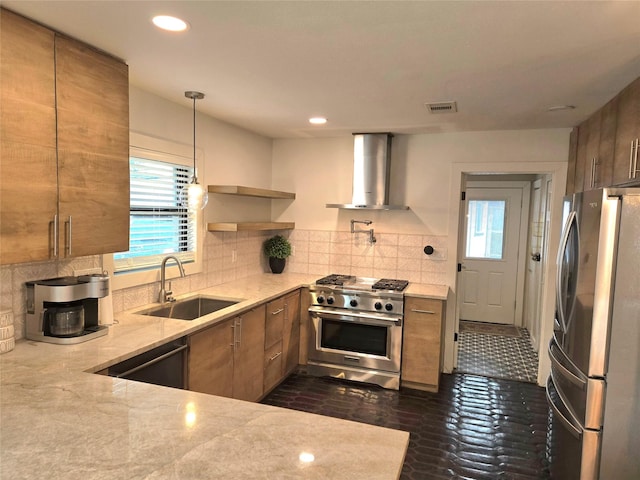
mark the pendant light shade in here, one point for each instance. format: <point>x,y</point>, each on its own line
<point>194,195</point>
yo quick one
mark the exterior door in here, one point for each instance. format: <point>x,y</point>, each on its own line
<point>490,255</point>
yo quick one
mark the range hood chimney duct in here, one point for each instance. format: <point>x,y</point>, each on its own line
<point>371,163</point>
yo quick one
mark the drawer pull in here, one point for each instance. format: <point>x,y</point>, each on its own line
<point>416,310</point>
<point>275,356</point>
<point>277,312</point>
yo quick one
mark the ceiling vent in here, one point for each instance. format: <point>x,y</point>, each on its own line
<point>442,107</point>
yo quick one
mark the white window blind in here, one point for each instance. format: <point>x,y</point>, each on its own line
<point>159,225</point>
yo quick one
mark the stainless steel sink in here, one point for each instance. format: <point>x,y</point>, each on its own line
<point>189,308</point>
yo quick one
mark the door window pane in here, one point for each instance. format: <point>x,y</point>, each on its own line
<point>485,229</point>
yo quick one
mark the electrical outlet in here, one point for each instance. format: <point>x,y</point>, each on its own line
<point>293,250</point>
<point>234,256</point>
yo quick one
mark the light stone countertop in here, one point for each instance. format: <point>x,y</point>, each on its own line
<point>59,422</point>
<point>438,292</point>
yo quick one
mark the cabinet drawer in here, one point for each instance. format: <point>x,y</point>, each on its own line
<point>422,307</point>
<point>274,322</point>
<point>273,366</point>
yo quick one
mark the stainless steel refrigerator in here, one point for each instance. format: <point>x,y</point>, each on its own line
<point>594,386</point>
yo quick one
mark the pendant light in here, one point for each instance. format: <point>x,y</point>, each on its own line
<point>194,195</point>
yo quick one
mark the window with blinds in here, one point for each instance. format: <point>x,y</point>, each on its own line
<point>159,225</point>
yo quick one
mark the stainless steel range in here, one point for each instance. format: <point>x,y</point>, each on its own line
<point>357,329</point>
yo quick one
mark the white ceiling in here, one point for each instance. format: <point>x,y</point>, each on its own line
<point>368,65</point>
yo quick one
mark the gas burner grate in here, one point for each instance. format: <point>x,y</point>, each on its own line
<point>335,279</point>
<point>390,284</point>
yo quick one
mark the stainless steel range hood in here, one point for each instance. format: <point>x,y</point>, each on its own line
<point>371,159</point>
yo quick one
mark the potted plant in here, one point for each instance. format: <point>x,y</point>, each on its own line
<point>277,248</point>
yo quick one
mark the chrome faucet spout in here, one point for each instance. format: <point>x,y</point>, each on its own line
<point>372,238</point>
<point>166,295</point>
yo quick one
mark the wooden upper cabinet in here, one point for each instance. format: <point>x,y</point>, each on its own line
<point>603,167</point>
<point>627,134</point>
<point>28,189</point>
<point>571,166</point>
<point>92,93</point>
<point>64,146</point>
<point>604,149</point>
<point>587,151</point>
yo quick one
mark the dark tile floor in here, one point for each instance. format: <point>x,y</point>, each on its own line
<point>498,356</point>
<point>473,428</point>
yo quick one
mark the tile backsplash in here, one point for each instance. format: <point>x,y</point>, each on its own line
<point>391,256</point>
<point>235,255</point>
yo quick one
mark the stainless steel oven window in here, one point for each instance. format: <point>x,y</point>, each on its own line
<point>353,337</point>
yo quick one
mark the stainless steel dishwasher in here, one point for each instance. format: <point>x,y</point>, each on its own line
<point>164,365</point>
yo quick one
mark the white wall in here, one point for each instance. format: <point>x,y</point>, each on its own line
<point>426,172</point>
<point>232,156</point>
<point>320,171</point>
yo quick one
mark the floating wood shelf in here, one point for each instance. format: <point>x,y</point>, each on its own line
<point>250,191</point>
<point>249,226</point>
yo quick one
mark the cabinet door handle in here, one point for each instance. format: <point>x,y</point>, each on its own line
<point>594,166</point>
<point>631,166</point>
<point>277,312</point>
<point>233,344</point>
<point>275,356</point>
<point>416,310</point>
<point>68,240</point>
<point>239,330</point>
<point>55,236</point>
<point>634,151</point>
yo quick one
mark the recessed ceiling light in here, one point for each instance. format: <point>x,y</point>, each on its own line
<point>558,108</point>
<point>172,24</point>
<point>317,120</point>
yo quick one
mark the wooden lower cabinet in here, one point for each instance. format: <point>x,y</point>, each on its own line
<point>211,360</point>
<point>422,343</point>
<point>246,356</point>
<point>273,367</point>
<point>248,373</point>
<point>291,333</point>
<point>274,322</point>
<point>282,339</point>
<point>227,359</point>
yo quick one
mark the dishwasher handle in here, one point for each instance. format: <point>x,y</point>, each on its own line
<point>171,353</point>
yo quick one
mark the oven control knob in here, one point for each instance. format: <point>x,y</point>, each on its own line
<point>378,306</point>
<point>330,300</point>
<point>320,299</point>
<point>353,303</point>
<point>388,307</point>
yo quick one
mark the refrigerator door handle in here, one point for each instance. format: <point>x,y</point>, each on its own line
<point>570,424</point>
<point>563,245</point>
<point>568,374</point>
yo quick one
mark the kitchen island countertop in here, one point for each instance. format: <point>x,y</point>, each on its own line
<point>59,421</point>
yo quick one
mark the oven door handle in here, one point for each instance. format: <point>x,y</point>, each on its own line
<point>357,317</point>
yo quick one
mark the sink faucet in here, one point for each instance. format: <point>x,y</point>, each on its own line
<point>166,295</point>
<point>372,239</point>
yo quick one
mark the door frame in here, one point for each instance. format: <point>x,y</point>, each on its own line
<point>558,172</point>
<point>525,186</point>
